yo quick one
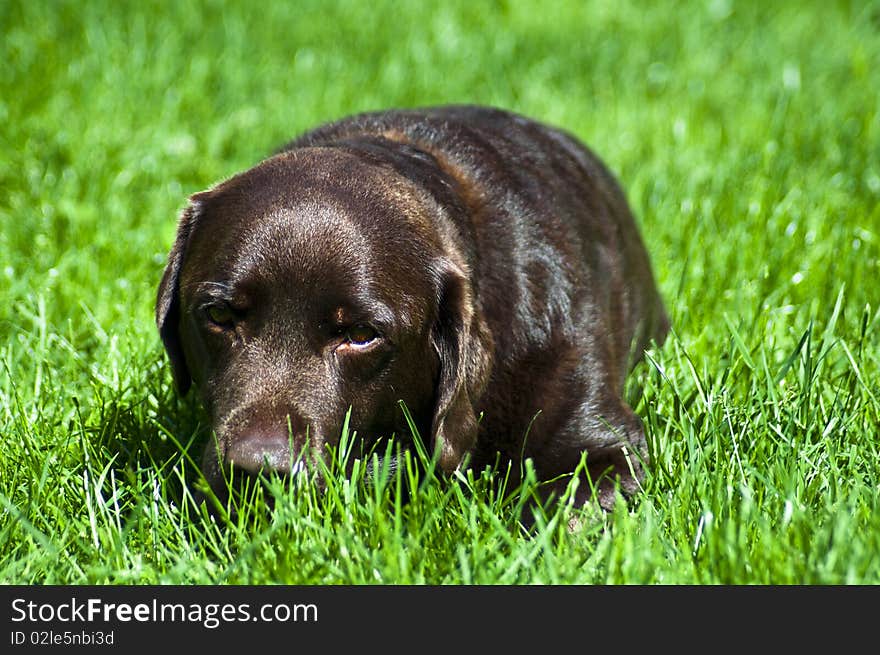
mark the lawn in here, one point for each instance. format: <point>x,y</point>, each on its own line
<point>746,135</point>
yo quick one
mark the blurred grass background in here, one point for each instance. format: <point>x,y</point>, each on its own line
<point>746,134</point>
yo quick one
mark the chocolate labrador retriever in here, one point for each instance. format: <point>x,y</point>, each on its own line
<point>481,267</point>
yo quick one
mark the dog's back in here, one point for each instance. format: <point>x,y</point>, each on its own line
<point>559,269</point>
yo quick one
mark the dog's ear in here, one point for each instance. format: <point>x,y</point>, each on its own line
<point>464,346</point>
<point>168,298</point>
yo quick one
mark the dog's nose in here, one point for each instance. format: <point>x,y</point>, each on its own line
<point>260,451</point>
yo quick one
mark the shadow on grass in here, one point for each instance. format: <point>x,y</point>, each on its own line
<point>150,429</point>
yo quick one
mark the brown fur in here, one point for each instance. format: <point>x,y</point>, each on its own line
<point>495,258</point>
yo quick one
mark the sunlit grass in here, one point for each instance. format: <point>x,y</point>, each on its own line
<point>745,135</point>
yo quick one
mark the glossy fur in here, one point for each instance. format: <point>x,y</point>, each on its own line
<point>494,259</point>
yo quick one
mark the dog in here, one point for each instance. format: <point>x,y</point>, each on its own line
<point>481,268</point>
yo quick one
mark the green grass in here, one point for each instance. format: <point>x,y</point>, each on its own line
<point>747,136</point>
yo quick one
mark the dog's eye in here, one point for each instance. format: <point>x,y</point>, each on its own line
<point>220,316</point>
<point>360,334</point>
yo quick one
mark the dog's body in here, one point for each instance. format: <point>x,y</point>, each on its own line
<point>464,260</point>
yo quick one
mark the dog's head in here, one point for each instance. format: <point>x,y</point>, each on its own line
<point>320,281</point>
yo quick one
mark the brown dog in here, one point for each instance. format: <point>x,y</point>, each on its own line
<point>478,266</point>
